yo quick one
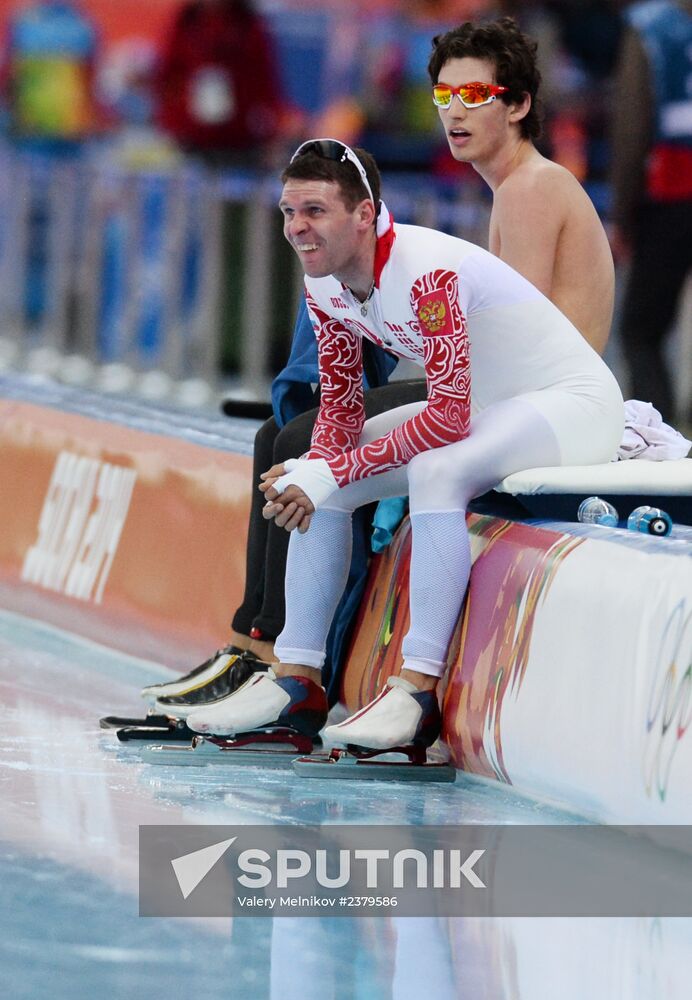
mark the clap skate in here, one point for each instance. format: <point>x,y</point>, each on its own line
<point>268,721</point>
<point>271,746</point>
<point>401,722</point>
<point>151,728</point>
<point>213,680</point>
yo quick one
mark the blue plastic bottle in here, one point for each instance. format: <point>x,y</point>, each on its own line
<point>650,521</point>
<point>593,510</point>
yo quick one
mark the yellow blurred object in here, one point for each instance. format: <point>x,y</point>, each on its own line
<point>53,97</point>
<point>146,151</point>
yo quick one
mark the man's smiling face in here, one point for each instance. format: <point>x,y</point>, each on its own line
<point>323,231</point>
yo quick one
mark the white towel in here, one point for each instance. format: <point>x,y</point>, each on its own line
<point>647,437</point>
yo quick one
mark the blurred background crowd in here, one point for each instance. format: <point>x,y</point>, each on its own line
<point>140,142</point>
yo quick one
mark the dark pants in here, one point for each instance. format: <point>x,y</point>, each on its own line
<point>267,546</point>
<point>661,261</point>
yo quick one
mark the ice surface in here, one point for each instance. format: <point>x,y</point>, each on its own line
<point>72,801</point>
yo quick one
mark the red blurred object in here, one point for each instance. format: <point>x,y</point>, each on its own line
<point>569,142</point>
<point>669,173</point>
<point>217,86</point>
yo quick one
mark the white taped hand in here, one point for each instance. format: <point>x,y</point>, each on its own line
<point>312,475</point>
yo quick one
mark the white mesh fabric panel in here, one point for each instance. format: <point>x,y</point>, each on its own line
<point>316,575</point>
<point>440,567</point>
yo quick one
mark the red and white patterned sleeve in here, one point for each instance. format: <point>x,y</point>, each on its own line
<point>446,416</point>
<point>341,413</point>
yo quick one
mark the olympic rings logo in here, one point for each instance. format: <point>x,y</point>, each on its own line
<point>669,711</point>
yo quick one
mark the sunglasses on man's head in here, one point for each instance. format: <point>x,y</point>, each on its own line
<point>471,95</point>
<point>339,152</point>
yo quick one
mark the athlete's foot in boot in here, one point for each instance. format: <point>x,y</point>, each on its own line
<point>422,682</point>
<point>231,673</point>
<point>243,642</point>
<point>208,673</point>
<point>263,649</point>
<point>313,674</point>
<point>265,700</point>
<point>400,716</point>
<point>256,643</point>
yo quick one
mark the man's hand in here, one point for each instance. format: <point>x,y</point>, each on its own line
<point>270,476</point>
<point>290,509</point>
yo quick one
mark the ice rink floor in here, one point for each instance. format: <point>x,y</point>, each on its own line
<point>72,801</point>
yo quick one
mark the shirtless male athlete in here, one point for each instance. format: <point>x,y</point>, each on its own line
<point>511,385</point>
<point>543,223</point>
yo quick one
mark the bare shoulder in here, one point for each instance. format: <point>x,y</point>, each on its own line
<point>544,193</point>
<point>540,184</point>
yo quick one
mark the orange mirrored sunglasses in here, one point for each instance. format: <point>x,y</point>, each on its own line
<point>471,95</point>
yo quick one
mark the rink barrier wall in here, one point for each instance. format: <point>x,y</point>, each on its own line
<point>570,672</point>
<point>131,538</point>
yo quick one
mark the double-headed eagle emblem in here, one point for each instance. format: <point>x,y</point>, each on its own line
<point>433,315</point>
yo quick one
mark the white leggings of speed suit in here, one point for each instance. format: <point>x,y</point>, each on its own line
<point>507,437</point>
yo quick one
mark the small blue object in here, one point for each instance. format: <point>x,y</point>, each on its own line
<point>593,510</point>
<point>388,516</point>
<point>650,521</point>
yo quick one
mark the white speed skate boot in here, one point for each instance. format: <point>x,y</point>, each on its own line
<point>401,721</point>
<point>266,721</point>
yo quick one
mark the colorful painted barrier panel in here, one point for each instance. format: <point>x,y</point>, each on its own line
<point>570,673</point>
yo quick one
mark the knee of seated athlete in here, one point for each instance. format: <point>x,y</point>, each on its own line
<point>435,483</point>
<point>426,470</point>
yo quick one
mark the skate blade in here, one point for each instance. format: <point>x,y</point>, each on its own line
<point>351,769</point>
<point>154,734</point>
<point>204,752</point>
<point>122,722</point>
